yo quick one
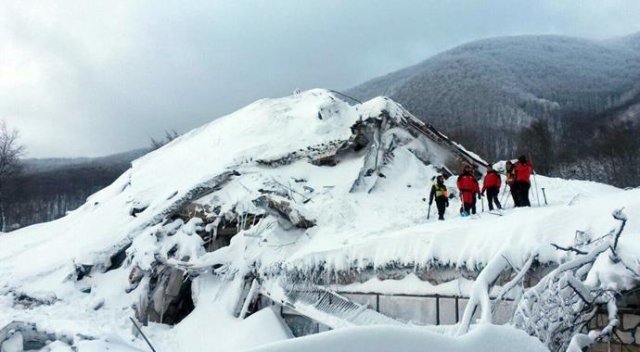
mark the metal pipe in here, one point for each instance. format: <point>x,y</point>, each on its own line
<point>535,182</point>
<point>437,310</point>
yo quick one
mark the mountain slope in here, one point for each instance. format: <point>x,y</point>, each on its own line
<point>485,92</point>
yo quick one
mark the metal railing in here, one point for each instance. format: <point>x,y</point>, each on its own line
<point>437,297</point>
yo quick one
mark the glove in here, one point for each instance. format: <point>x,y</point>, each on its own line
<point>446,204</point>
<point>479,196</point>
<point>430,202</point>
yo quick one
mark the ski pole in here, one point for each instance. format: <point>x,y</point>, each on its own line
<point>482,202</point>
<point>504,194</point>
<point>535,183</point>
<point>506,201</point>
<point>544,194</point>
<point>429,211</point>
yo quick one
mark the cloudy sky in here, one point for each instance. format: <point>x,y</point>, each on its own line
<point>88,78</point>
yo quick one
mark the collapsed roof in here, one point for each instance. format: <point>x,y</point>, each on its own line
<point>319,189</point>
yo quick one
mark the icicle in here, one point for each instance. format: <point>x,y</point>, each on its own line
<point>253,291</point>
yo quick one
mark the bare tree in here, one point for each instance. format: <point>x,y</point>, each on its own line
<point>10,153</point>
<point>168,137</point>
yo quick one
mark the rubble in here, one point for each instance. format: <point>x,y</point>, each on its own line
<point>284,211</point>
<point>21,336</point>
<point>167,297</point>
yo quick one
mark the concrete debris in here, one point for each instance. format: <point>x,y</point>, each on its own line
<point>287,215</point>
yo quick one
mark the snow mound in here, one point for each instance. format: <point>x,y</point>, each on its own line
<point>487,338</point>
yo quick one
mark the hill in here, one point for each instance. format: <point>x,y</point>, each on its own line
<point>49,188</point>
<point>41,165</point>
<point>550,96</point>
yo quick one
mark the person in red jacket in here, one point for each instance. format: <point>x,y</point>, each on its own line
<point>522,181</point>
<point>468,186</point>
<point>509,175</point>
<point>491,185</point>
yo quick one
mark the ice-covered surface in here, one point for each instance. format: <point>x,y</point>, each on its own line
<point>408,285</point>
<point>364,210</point>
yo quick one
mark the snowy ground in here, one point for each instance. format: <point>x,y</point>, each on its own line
<point>384,224</point>
<point>488,338</point>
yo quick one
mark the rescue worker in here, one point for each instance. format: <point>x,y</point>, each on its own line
<point>509,174</point>
<point>476,194</point>
<point>522,181</point>
<point>468,186</point>
<point>440,193</point>
<point>491,185</point>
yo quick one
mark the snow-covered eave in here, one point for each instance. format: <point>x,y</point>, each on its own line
<point>404,117</point>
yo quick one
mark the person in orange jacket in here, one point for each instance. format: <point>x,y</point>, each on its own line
<point>491,185</point>
<point>468,186</point>
<point>522,171</point>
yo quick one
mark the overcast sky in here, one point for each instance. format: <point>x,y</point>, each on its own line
<point>88,78</point>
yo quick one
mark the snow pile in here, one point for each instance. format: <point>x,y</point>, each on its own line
<point>306,188</point>
<point>487,338</point>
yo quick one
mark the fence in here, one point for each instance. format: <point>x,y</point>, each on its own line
<point>433,309</point>
<point>428,309</point>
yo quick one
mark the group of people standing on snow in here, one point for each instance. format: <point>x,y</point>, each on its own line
<point>518,177</point>
<point>519,180</point>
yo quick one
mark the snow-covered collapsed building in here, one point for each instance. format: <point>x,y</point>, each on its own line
<point>312,204</point>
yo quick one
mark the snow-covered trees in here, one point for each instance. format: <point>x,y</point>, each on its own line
<point>10,153</point>
<point>46,189</point>
<point>537,141</point>
<point>485,93</point>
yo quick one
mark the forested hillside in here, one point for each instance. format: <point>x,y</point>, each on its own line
<point>48,188</point>
<point>566,101</point>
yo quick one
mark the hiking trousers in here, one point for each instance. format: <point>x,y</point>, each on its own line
<point>492,197</point>
<point>441,204</point>
<point>521,190</point>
